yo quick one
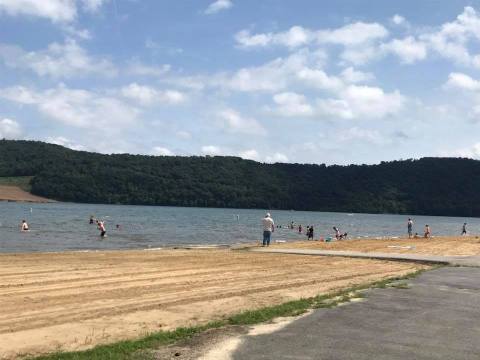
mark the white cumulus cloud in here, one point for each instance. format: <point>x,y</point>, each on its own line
<point>65,60</point>
<point>74,107</point>
<point>462,81</point>
<point>57,11</point>
<point>234,122</point>
<point>9,129</point>
<point>409,50</point>
<point>218,6</point>
<point>147,95</point>
<point>161,151</point>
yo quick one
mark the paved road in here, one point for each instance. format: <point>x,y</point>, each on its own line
<point>438,317</point>
<point>447,260</point>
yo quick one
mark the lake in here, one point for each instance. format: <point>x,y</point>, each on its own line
<point>64,226</point>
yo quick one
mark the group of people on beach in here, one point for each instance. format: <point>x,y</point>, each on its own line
<point>426,234</point>
<point>269,226</point>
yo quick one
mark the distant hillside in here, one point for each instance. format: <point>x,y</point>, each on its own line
<point>436,186</point>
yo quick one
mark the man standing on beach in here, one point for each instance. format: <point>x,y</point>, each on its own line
<point>464,229</point>
<point>268,228</point>
<point>410,228</point>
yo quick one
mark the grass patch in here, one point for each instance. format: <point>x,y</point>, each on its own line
<point>23,182</point>
<point>141,348</point>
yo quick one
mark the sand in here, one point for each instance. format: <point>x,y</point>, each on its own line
<point>14,193</point>
<point>459,245</point>
<point>75,300</point>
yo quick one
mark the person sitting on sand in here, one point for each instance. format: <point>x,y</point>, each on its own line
<point>416,236</point>
<point>101,227</point>
<point>427,232</point>
<point>24,226</point>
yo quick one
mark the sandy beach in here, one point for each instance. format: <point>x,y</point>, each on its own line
<point>441,245</point>
<point>75,300</point>
<point>14,193</point>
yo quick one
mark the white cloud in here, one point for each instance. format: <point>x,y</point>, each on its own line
<point>278,74</point>
<point>362,102</point>
<point>294,37</point>
<point>245,39</point>
<point>147,95</point>
<point>361,55</point>
<point>75,107</point>
<point>472,152</point>
<point>276,158</point>
<point>292,104</point>
<point>161,151</point>
<point>63,141</point>
<point>451,40</point>
<point>58,60</point>
<point>251,154</point>
<point>352,76</point>
<point>217,6</point>
<point>408,50</point>
<point>233,122</point>
<point>462,81</point>
<point>93,5</point>
<point>398,20</point>
<point>355,34</point>
<point>318,79</point>
<point>9,129</point>
<point>57,11</point>
<point>211,150</point>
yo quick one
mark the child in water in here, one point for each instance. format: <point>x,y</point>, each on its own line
<point>24,226</point>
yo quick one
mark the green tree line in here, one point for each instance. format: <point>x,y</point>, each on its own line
<point>434,186</point>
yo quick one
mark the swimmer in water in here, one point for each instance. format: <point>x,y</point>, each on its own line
<point>92,219</point>
<point>101,227</point>
<point>24,226</point>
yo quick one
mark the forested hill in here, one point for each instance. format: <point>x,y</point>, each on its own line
<point>435,186</point>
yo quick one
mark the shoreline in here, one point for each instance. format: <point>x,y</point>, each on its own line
<point>349,244</point>
<point>12,193</point>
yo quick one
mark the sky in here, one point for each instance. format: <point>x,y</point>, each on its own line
<point>298,81</point>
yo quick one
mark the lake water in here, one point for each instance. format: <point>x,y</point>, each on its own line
<point>64,226</point>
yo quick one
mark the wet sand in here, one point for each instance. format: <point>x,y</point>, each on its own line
<point>443,245</point>
<point>75,300</point>
<point>14,193</point>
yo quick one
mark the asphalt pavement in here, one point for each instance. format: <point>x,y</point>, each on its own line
<point>437,317</point>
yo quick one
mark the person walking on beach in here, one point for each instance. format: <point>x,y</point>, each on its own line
<point>101,227</point>
<point>410,228</point>
<point>464,229</point>
<point>268,228</point>
<point>300,228</point>
<point>427,232</point>
<point>24,226</point>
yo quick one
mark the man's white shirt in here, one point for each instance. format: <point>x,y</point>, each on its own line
<point>268,224</point>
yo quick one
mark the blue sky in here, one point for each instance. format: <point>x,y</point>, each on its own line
<point>357,81</point>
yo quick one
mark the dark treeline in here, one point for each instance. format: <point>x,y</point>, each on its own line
<point>435,186</point>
